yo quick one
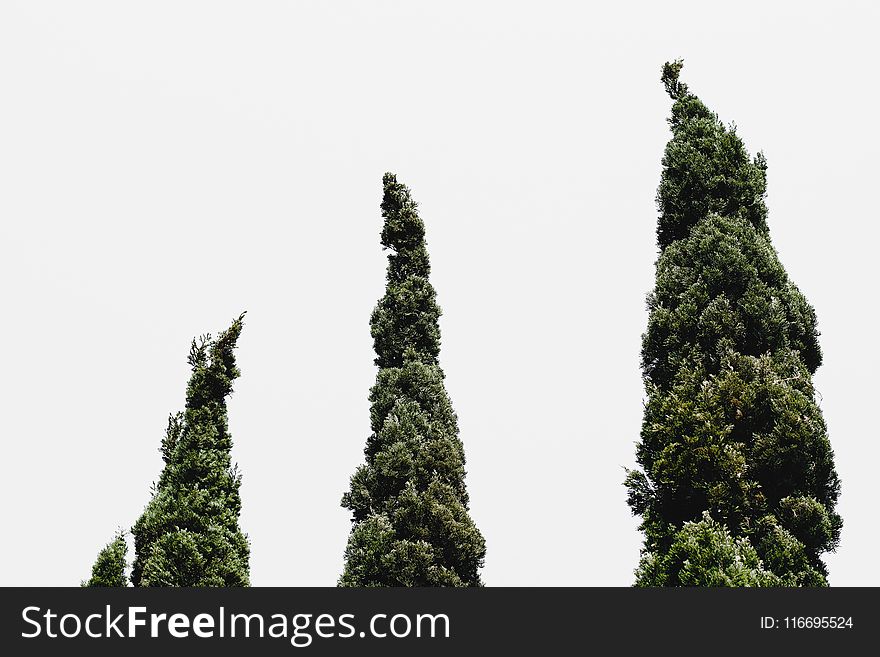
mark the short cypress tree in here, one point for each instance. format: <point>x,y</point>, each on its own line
<point>737,483</point>
<point>188,535</point>
<point>411,525</point>
<point>109,568</point>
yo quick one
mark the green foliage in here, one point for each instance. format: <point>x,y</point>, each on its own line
<point>188,535</point>
<point>706,168</point>
<point>705,554</point>
<point>731,426</point>
<point>722,288</point>
<point>109,568</point>
<point>405,319</point>
<point>411,525</point>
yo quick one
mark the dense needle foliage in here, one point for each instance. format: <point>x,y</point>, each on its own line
<point>188,535</point>
<point>736,484</point>
<point>109,568</point>
<point>411,525</point>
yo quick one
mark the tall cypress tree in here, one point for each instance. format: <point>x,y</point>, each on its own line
<point>737,483</point>
<point>188,535</point>
<point>109,568</point>
<point>411,525</point>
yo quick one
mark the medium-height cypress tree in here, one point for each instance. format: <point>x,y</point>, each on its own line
<point>109,568</point>
<point>411,525</point>
<point>188,535</point>
<point>737,483</point>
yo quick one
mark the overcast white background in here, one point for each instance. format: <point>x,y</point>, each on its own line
<point>167,165</point>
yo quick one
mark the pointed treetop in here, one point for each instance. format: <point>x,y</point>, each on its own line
<point>670,80</point>
<point>213,365</point>
<point>706,168</point>
<point>109,569</point>
<point>223,351</point>
<point>403,230</point>
<point>405,319</point>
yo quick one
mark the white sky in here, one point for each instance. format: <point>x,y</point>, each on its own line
<point>166,165</point>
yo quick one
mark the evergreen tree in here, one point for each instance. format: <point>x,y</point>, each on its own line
<point>737,483</point>
<point>109,568</point>
<point>411,525</point>
<point>188,535</point>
